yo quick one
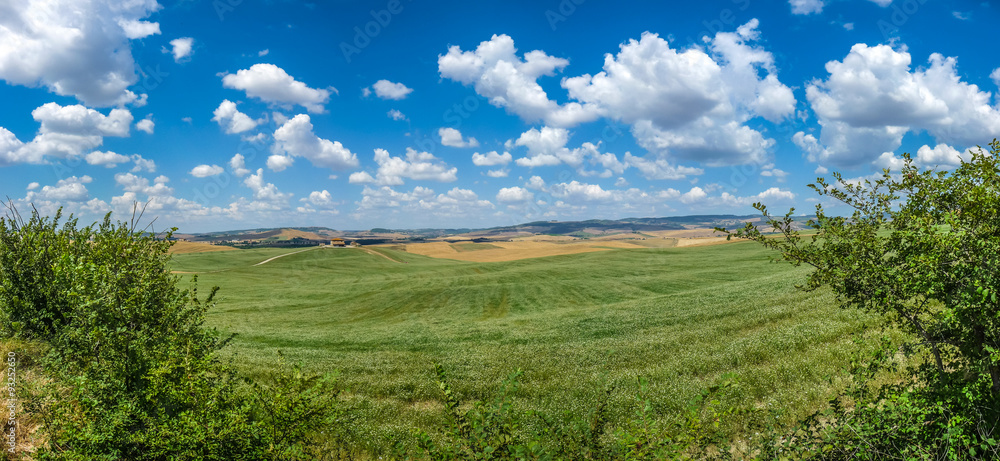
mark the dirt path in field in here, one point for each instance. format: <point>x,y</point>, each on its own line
<point>282,256</point>
<point>370,251</point>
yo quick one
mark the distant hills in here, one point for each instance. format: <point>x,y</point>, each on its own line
<point>293,236</point>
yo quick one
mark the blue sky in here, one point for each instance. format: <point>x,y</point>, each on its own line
<point>225,114</point>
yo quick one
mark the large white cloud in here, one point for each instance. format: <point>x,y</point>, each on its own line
<point>76,48</point>
<point>510,82</point>
<point>691,104</point>
<point>421,166</point>
<point>296,138</point>
<point>231,119</point>
<point>872,98</point>
<point>65,132</point>
<point>272,84</point>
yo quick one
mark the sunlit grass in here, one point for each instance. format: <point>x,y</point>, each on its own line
<point>682,318</point>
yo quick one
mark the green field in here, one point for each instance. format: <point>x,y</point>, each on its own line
<point>680,317</point>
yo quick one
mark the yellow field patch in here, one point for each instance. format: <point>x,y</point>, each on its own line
<point>288,234</point>
<point>181,247</point>
<point>511,251</point>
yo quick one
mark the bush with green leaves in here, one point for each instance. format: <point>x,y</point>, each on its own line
<point>921,249</point>
<point>134,371</point>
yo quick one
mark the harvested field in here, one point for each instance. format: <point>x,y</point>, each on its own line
<point>684,233</point>
<point>463,247</point>
<point>288,234</point>
<point>512,251</point>
<point>701,241</point>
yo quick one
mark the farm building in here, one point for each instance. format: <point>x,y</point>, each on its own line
<point>337,242</point>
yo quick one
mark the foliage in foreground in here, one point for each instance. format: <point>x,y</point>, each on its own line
<point>132,370</point>
<point>921,249</point>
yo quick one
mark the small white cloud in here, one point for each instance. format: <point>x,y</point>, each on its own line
<point>263,52</point>
<point>231,119</point>
<point>491,158</point>
<point>389,90</point>
<point>453,138</point>
<point>146,125</point>
<point>33,186</point>
<point>204,171</point>
<point>696,194</point>
<point>238,165</point>
<point>142,164</point>
<point>181,48</point>
<point>500,173</point>
<point>514,194</point>
<point>536,183</point>
<point>806,6</point>
<point>396,115</point>
<point>278,162</point>
<point>962,16</point>
<point>360,177</point>
<point>135,29</point>
<point>848,26</point>
<point>107,159</point>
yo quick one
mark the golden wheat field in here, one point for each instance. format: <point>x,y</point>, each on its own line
<point>523,249</point>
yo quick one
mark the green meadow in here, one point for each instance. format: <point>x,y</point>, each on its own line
<point>682,318</point>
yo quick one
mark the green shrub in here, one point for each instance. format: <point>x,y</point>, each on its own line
<point>135,373</point>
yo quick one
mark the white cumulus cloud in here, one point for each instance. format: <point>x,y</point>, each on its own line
<point>416,165</point>
<point>491,158</point>
<point>107,159</point>
<point>273,85</point>
<point>511,82</point>
<point>296,138</point>
<point>873,98</point>
<point>74,48</point>
<point>180,48</point>
<point>453,138</point>
<point>692,104</point>
<point>389,90</point>
<point>204,171</point>
<point>231,119</point>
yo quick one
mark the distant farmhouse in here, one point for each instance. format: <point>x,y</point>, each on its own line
<point>338,242</point>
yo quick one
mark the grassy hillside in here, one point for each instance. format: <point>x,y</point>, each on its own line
<point>680,317</point>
